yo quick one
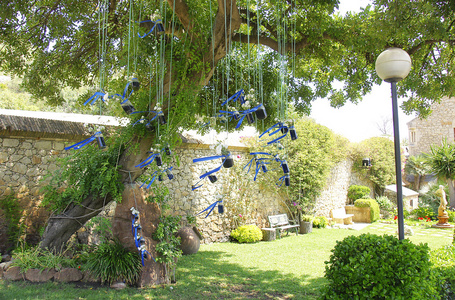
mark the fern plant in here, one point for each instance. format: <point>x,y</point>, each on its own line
<point>112,262</point>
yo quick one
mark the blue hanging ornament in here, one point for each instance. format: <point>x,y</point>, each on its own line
<point>261,113</point>
<point>293,133</point>
<point>212,178</point>
<point>220,207</point>
<point>98,136</point>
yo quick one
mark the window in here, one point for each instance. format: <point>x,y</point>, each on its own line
<point>412,136</point>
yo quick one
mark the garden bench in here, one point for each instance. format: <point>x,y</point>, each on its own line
<point>340,214</point>
<point>280,223</point>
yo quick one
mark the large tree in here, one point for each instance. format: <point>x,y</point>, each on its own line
<point>58,43</point>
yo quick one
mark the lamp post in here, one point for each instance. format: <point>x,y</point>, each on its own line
<point>393,65</point>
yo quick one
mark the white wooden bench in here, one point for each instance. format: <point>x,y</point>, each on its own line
<point>281,223</point>
<point>339,215</point>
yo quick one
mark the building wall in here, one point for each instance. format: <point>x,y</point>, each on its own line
<point>431,131</point>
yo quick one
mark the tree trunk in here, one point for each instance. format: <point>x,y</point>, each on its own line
<point>61,227</point>
<point>451,192</point>
<point>149,217</point>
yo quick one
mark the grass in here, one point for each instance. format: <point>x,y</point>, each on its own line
<point>292,267</point>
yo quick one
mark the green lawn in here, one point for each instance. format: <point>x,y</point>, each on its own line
<point>292,267</point>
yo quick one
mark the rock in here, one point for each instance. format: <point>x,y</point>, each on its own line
<point>10,142</point>
<point>68,275</point>
<point>14,274</point>
<point>6,257</point>
<point>118,285</point>
<point>37,275</point>
<point>5,265</point>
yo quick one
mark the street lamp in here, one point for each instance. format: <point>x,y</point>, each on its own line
<point>393,65</point>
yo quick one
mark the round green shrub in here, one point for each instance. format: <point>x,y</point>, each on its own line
<point>247,234</point>
<point>358,191</point>
<point>370,266</point>
<point>372,204</point>
<point>320,222</point>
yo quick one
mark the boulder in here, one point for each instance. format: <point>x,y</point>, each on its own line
<point>37,275</point>
<point>68,275</point>
<point>6,257</point>
<point>118,285</point>
<point>13,273</point>
<point>5,265</point>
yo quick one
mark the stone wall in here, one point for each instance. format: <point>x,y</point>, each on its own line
<point>438,125</point>
<point>29,149</point>
<point>245,201</point>
<point>24,162</point>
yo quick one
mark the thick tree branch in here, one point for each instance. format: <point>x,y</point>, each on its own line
<point>181,11</point>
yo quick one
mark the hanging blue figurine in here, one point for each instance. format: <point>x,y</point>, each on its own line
<point>98,136</point>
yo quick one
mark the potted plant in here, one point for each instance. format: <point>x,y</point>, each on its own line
<point>306,224</point>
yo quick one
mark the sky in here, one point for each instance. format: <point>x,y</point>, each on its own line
<point>359,122</point>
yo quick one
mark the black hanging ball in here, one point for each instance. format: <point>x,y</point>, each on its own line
<point>287,180</point>
<point>168,151</point>
<point>212,178</point>
<point>162,119</point>
<point>285,167</point>
<point>261,113</point>
<point>220,208</point>
<point>158,160</point>
<point>100,140</point>
<point>293,133</point>
<point>135,84</point>
<point>128,107</point>
<point>228,162</point>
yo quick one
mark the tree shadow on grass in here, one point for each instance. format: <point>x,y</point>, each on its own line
<point>207,275</point>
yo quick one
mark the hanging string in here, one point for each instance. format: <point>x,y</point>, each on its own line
<point>129,38</point>
<point>170,65</point>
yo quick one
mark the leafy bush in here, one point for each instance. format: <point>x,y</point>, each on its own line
<point>12,212</point>
<point>386,207</point>
<point>357,192</point>
<point>112,262</point>
<point>372,204</point>
<point>37,258</point>
<point>247,234</point>
<point>379,267</point>
<point>320,222</point>
<point>443,260</point>
<point>451,215</point>
<point>423,212</point>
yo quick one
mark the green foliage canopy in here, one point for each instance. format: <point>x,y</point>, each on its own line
<point>53,44</point>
